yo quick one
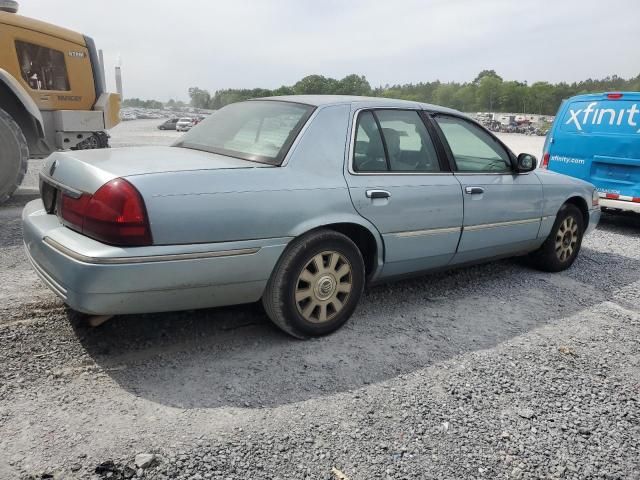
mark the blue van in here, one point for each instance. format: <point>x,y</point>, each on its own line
<point>596,137</point>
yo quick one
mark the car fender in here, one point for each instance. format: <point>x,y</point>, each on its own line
<point>24,98</point>
<point>344,218</point>
<point>557,190</point>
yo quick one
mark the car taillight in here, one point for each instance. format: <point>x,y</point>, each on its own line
<point>614,96</point>
<point>72,210</point>
<point>115,214</point>
<point>545,160</point>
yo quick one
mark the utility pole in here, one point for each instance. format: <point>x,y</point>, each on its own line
<point>119,78</point>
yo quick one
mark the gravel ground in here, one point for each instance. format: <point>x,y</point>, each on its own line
<point>494,371</point>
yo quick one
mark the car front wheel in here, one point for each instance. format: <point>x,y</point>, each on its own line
<point>316,285</point>
<point>561,247</point>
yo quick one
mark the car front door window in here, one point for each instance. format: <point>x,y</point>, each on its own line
<point>473,149</point>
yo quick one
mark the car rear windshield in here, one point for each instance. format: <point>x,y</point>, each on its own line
<point>257,130</point>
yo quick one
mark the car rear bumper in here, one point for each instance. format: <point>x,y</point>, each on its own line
<point>99,279</point>
<point>594,219</point>
<point>620,205</point>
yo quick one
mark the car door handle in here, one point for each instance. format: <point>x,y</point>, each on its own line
<point>378,194</point>
<point>473,190</point>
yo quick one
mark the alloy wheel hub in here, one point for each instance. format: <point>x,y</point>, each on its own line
<point>323,286</point>
<point>566,239</point>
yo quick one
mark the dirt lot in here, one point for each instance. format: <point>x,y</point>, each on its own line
<point>494,371</point>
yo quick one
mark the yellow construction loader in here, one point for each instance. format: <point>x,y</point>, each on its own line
<point>52,94</point>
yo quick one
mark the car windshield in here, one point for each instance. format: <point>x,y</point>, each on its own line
<point>257,130</point>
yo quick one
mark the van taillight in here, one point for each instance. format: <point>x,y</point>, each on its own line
<point>545,160</point>
<point>614,96</point>
<point>115,214</point>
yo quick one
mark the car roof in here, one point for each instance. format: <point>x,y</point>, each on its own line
<point>364,102</point>
<point>604,96</point>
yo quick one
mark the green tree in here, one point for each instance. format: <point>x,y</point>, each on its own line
<point>464,98</point>
<point>315,85</point>
<point>485,74</point>
<point>284,90</point>
<point>541,97</point>
<point>488,93</point>
<point>444,94</point>
<point>512,97</point>
<point>199,98</point>
<point>353,85</point>
<point>138,103</point>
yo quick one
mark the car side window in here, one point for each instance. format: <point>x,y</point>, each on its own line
<point>473,149</point>
<point>393,141</point>
<point>409,146</point>
<point>369,153</point>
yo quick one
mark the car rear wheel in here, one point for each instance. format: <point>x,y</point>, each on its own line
<point>316,285</point>
<point>561,247</point>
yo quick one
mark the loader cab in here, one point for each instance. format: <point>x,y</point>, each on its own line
<point>52,64</point>
<point>52,94</point>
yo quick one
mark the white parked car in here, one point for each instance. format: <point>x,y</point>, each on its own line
<point>184,124</point>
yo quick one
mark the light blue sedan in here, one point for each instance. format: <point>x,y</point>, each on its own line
<point>299,202</point>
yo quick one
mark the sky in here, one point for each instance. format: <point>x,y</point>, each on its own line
<point>167,46</point>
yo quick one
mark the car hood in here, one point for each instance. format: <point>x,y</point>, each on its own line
<point>88,170</point>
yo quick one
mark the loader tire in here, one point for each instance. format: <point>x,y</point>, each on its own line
<point>14,156</point>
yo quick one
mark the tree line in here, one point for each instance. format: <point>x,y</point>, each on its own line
<point>487,92</point>
<point>153,104</point>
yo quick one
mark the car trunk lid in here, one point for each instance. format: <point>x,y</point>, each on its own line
<point>88,170</point>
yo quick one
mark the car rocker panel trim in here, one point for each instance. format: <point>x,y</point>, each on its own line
<point>503,224</point>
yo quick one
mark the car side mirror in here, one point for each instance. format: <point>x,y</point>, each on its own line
<point>526,163</point>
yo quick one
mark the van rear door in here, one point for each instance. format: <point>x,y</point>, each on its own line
<point>597,138</point>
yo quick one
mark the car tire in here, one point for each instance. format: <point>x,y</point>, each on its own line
<point>562,246</point>
<point>316,284</point>
<point>14,156</point>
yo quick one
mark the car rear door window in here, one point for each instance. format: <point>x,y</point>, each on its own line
<point>409,146</point>
<point>473,149</point>
<point>393,141</point>
<point>369,155</point>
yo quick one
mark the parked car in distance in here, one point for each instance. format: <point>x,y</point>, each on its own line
<point>596,137</point>
<point>169,124</point>
<point>299,202</point>
<point>184,124</point>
